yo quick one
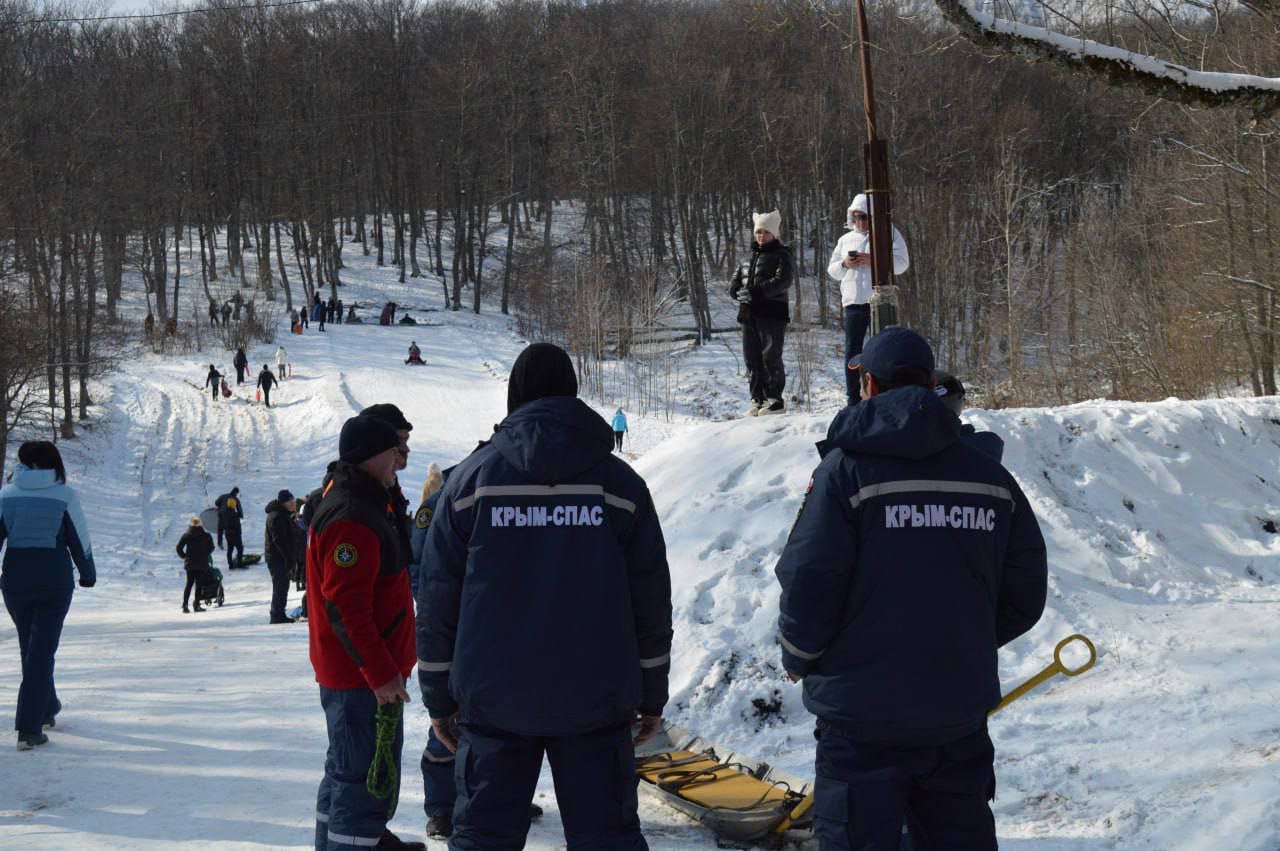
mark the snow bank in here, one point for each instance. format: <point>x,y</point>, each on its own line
<point>1160,521</point>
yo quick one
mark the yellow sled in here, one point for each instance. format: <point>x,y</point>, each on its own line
<point>739,798</point>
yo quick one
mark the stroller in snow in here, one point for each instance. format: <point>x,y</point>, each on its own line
<point>209,586</point>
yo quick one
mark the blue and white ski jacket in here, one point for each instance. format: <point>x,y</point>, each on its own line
<point>45,531</point>
<point>544,596</point>
<point>913,558</point>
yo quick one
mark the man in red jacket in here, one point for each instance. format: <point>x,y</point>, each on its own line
<point>361,631</point>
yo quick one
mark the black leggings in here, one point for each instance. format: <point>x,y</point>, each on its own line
<point>193,577</point>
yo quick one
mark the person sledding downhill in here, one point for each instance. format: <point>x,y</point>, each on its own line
<point>361,634</point>
<point>760,287</point>
<point>415,355</point>
<point>545,625</point>
<point>913,558</point>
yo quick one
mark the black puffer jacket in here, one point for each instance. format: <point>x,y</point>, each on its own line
<point>195,547</point>
<point>766,276</point>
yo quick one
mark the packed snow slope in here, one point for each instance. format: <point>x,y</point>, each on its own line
<point>204,731</point>
<point>1161,526</point>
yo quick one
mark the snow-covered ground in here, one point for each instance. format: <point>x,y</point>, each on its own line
<point>205,730</point>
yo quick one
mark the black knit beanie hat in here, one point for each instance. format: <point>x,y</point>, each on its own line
<point>363,437</point>
<point>543,369</point>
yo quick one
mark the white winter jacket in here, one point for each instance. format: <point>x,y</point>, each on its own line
<point>855,284</point>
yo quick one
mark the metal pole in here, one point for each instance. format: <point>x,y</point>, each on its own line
<point>875,158</point>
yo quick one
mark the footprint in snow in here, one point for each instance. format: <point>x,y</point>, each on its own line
<point>731,481</point>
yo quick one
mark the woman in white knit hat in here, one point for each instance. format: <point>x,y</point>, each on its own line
<point>851,266</point>
<point>760,287</point>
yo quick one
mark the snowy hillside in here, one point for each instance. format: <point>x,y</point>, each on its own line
<point>1161,522</point>
<point>204,731</point>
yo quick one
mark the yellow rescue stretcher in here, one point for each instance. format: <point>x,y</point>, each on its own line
<point>739,798</point>
<point>746,801</point>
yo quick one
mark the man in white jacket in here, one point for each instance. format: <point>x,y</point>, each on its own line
<point>851,266</point>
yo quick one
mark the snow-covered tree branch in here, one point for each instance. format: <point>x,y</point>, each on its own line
<point>1259,95</point>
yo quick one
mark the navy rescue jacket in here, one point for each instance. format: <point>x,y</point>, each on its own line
<point>544,597</point>
<point>987,442</point>
<point>913,558</point>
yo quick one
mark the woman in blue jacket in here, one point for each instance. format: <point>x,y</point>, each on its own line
<point>45,530</point>
<point>619,428</point>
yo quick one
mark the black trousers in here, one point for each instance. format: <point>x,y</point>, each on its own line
<point>193,577</point>
<point>235,547</point>
<point>617,438</point>
<point>266,396</point>
<point>279,589</point>
<point>762,341</point>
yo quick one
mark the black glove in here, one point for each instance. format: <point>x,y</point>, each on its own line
<point>87,583</point>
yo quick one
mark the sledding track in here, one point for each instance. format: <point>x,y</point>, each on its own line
<point>204,730</point>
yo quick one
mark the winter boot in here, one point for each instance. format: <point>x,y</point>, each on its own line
<point>198,607</point>
<point>754,409</point>
<point>390,842</point>
<point>775,406</point>
<point>185,610</point>
<point>439,827</point>
<point>27,741</point>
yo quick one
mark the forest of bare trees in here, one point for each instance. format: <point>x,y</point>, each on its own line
<point>1069,240</point>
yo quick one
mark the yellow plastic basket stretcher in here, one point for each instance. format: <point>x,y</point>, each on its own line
<point>739,798</point>
<point>744,800</point>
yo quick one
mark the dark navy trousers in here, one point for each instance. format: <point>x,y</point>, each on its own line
<point>38,616</point>
<point>437,777</point>
<point>347,815</point>
<point>279,589</point>
<point>864,793</point>
<point>496,773</point>
<point>857,319</point>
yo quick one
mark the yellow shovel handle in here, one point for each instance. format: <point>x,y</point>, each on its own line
<point>1058,667</point>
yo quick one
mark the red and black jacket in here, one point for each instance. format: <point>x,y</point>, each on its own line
<point>361,611</point>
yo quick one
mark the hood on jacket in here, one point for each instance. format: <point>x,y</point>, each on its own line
<point>273,506</point>
<point>554,439</point>
<point>30,480</point>
<point>909,422</point>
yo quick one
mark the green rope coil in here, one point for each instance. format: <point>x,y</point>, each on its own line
<point>383,780</point>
